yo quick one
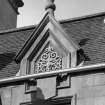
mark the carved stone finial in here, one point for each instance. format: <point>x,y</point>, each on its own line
<point>50,6</point>
<point>19,3</point>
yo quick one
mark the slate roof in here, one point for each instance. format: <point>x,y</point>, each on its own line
<point>88,32</point>
<point>11,41</point>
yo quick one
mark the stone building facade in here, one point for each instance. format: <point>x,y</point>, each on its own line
<point>69,52</point>
<point>9,12</point>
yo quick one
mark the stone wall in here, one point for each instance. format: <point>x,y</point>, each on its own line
<point>8,16</point>
<point>86,89</point>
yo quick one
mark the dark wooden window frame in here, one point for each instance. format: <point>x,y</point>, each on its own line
<point>57,101</point>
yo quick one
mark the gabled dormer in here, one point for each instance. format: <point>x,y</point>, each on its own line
<point>48,49</point>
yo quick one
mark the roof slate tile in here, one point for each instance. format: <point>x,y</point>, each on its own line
<point>88,31</point>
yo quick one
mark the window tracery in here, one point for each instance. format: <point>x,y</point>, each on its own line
<point>48,61</point>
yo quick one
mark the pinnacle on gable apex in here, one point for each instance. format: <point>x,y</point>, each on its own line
<point>19,3</point>
<point>50,6</point>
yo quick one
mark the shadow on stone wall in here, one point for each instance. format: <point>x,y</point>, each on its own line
<point>0,101</point>
<point>38,98</point>
<point>37,95</point>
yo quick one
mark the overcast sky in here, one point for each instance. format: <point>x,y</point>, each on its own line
<point>33,10</point>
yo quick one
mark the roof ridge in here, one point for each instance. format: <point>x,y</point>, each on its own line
<point>61,22</point>
<point>17,29</point>
<point>82,17</point>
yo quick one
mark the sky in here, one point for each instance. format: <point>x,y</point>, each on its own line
<point>33,10</point>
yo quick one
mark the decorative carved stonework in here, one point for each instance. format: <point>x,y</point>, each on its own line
<point>16,4</point>
<point>48,61</point>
